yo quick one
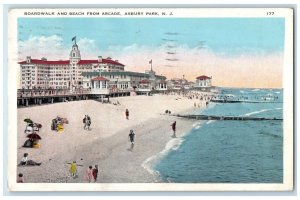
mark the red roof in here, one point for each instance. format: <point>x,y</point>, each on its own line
<point>85,62</point>
<point>203,77</point>
<point>145,81</point>
<point>100,78</point>
<point>47,62</point>
<point>67,62</point>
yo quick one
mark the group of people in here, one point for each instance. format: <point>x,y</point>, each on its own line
<point>58,124</point>
<point>87,122</point>
<point>31,130</point>
<point>168,112</point>
<point>91,173</point>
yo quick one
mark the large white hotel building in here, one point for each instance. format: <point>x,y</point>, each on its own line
<point>62,74</point>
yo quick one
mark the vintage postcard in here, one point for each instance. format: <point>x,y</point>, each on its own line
<point>150,99</point>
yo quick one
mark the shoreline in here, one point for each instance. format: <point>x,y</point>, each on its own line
<point>107,146</point>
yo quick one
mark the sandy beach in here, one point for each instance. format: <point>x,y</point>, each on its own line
<point>106,144</point>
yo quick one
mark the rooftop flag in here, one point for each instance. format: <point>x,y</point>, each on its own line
<point>74,38</point>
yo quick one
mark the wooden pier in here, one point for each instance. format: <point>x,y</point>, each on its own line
<point>240,101</point>
<point>237,118</point>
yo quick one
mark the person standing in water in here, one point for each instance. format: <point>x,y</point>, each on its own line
<point>174,128</point>
<point>131,137</point>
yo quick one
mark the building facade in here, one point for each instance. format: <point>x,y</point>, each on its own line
<point>125,80</point>
<point>203,82</point>
<point>62,74</point>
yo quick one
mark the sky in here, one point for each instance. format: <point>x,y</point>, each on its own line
<point>236,52</point>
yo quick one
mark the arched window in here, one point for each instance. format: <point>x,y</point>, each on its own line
<point>73,54</point>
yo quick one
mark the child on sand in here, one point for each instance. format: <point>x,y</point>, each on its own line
<point>89,174</point>
<point>20,178</point>
<point>73,169</point>
<point>95,173</point>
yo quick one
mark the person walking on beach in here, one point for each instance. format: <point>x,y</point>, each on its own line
<point>95,173</point>
<point>174,128</point>
<point>84,121</point>
<point>73,169</point>
<point>127,114</point>
<point>89,174</point>
<point>88,122</point>
<point>131,137</point>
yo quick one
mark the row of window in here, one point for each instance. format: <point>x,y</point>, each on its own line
<point>27,82</point>
<point>27,74</point>
<point>58,83</point>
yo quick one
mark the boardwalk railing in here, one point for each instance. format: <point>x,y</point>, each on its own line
<point>50,92</point>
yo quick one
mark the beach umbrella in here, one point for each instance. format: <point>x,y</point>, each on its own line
<point>29,121</point>
<point>37,125</point>
<point>34,136</point>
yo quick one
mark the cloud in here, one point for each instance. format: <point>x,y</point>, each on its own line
<point>38,47</point>
<point>260,69</point>
<point>52,48</point>
<point>88,48</point>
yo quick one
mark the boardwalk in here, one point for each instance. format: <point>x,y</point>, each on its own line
<point>26,97</point>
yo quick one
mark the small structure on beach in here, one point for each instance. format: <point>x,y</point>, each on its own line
<point>203,83</point>
<point>144,87</point>
<point>99,85</point>
<point>162,85</point>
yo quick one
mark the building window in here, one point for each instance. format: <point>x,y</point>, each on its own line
<point>73,54</point>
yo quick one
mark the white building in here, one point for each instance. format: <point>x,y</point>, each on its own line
<point>99,85</point>
<point>124,80</point>
<point>62,74</point>
<point>203,82</point>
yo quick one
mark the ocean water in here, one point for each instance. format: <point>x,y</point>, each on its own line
<point>230,151</point>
